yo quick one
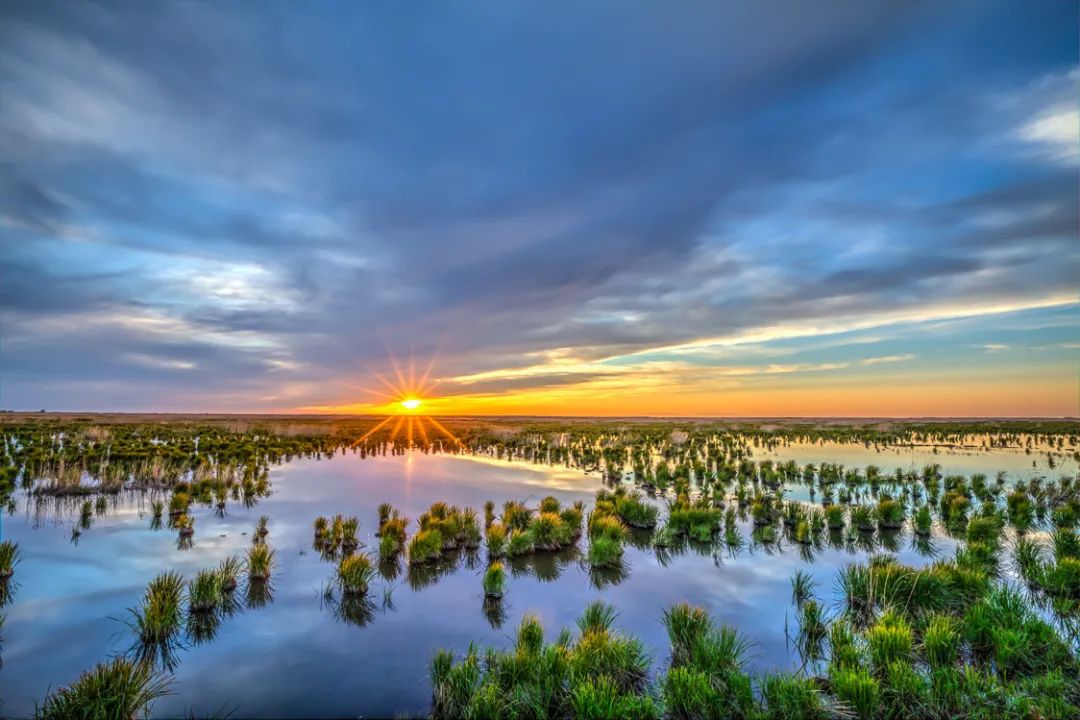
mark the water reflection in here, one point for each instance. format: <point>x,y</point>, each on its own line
<point>69,590</point>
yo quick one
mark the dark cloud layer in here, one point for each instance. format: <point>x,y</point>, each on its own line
<point>261,200</point>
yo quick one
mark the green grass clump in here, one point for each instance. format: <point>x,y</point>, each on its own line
<point>792,697</point>
<point>205,591</point>
<point>604,525</point>
<point>515,515</point>
<point>116,690</point>
<point>889,639</point>
<point>633,510</point>
<point>862,518</point>
<point>605,552</point>
<point>354,574</point>
<point>858,690</point>
<point>156,621</point>
<point>941,642</point>
<point>550,504</point>
<point>706,678</point>
<point>9,558</point>
<point>495,580</point>
<point>425,547</point>
<point>600,699</point>
<point>923,521</point>
<point>229,571</point>
<point>547,531</point>
<point>983,530</point>
<point>834,517</point>
<point>389,548</point>
<point>600,673</point>
<point>496,540</point>
<point>890,514</point>
<point>519,543</point>
<point>260,562</point>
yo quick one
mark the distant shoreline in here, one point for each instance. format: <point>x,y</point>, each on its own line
<point>6,415</point>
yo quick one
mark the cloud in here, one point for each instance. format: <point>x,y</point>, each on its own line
<point>202,196</point>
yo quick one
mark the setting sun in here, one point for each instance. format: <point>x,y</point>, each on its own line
<point>411,403</point>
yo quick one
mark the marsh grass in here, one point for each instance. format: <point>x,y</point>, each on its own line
<point>425,547</point>
<point>494,581</point>
<point>802,587</point>
<point>584,676</point>
<point>260,563</point>
<point>9,558</point>
<point>205,592</point>
<point>354,575</point>
<point>119,689</point>
<point>605,552</point>
<point>157,620</point>
<point>496,540</point>
<point>229,572</point>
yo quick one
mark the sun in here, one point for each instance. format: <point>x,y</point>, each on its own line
<point>411,403</point>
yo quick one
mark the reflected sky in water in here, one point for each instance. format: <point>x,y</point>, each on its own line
<point>299,655</point>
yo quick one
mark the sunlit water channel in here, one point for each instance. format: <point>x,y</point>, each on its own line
<point>294,656</point>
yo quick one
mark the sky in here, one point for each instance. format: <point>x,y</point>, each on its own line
<point>604,208</point>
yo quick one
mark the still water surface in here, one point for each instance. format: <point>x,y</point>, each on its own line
<point>295,657</point>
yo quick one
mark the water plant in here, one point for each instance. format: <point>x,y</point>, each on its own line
<point>205,591</point>
<point>519,543</point>
<point>605,552</point>
<point>260,562</point>
<point>9,558</point>
<point>583,676</point>
<point>119,689</point>
<point>157,619</point>
<point>229,572</point>
<point>802,587</point>
<point>834,515</point>
<point>923,521</point>
<point>890,514</point>
<point>496,540</point>
<point>494,580</point>
<point>354,574</point>
<point>425,547</point>
<point>389,548</point>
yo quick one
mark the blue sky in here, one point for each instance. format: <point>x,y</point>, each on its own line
<point>766,209</point>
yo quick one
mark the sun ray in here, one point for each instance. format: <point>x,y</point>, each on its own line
<point>423,432</point>
<point>402,385</point>
<point>439,425</point>
<point>387,384</point>
<point>397,428</point>
<point>386,395</point>
<point>427,373</point>
<point>371,432</point>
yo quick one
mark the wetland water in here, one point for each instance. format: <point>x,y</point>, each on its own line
<point>293,655</point>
